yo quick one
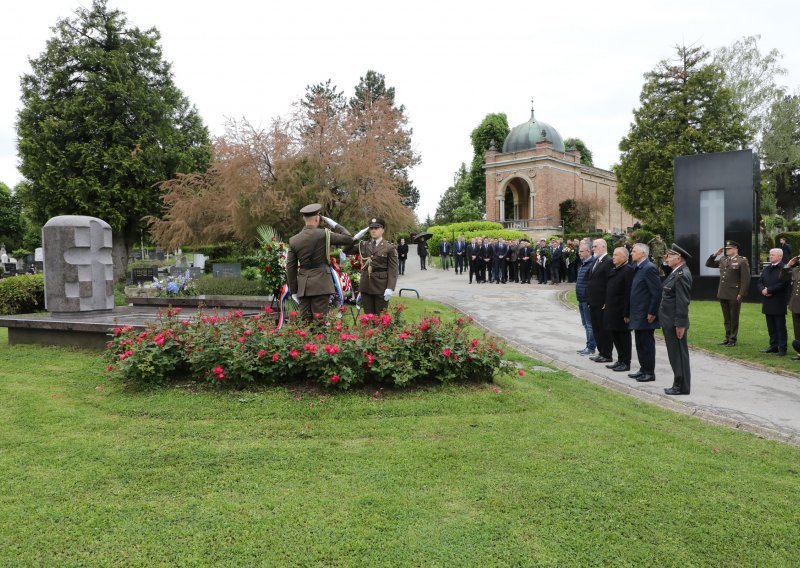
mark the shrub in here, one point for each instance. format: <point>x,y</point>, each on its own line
<point>234,350</point>
<point>469,229</point>
<point>211,286</point>
<point>21,294</point>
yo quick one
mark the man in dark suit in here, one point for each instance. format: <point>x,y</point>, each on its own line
<point>500,254</point>
<point>459,254</point>
<point>616,313</point>
<point>307,270</point>
<point>786,248</point>
<point>674,317</point>
<point>402,256</point>
<point>487,260</point>
<point>422,251</point>
<point>773,302</point>
<point>596,298</point>
<point>645,299</point>
<point>525,258</point>
<point>555,261</point>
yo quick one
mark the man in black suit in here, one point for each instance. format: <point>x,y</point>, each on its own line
<point>773,302</point>
<point>525,258</point>
<point>402,256</point>
<point>616,313</point>
<point>673,313</point>
<point>596,298</point>
<point>787,249</point>
<point>555,261</point>
<point>500,254</point>
<point>487,260</point>
<point>460,254</point>
<point>645,299</point>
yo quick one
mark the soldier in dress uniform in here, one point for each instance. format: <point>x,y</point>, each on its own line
<point>734,282</point>
<point>791,273</point>
<point>378,268</point>
<point>307,273</point>
<point>674,317</point>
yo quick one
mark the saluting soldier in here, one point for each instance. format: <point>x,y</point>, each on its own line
<point>791,272</point>
<point>674,317</point>
<point>378,268</point>
<point>307,273</point>
<point>734,283</point>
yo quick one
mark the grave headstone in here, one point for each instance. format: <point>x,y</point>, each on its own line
<point>38,255</point>
<point>78,267</point>
<point>143,274</point>
<point>195,272</point>
<point>199,261</point>
<point>226,269</point>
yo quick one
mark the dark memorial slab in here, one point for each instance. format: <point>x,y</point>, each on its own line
<point>143,274</point>
<point>717,198</point>
<point>226,269</point>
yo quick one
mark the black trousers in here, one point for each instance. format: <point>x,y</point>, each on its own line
<point>555,271</point>
<point>422,262</point>
<point>474,270</point>
<point>622,343</point>
<point>512,271</point>
<point>601,335</point>
<point>459,260</point>
<point>525,271</point>
<point>678,352</point>
<point>776,326</point>
<point>730,315</point>
<point>646,350</point>
<point>541,274</point>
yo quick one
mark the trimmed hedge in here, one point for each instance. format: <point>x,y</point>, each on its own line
<point>21,294</point>
<point>469,229</point>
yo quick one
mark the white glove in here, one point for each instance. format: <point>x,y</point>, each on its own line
<point>361,233</point>
<point>295,298</point>
<point>387,294</point>
<point>331,223</point>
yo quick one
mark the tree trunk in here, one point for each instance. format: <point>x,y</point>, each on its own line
<point>119,255</point>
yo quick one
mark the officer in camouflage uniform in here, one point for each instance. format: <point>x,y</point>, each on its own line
<point>674,317</point>
<point>378,268</point>
<point>307,273</point>
<point>791,272</point>
<point>734,282</point>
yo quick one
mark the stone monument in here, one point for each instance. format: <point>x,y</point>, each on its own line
<point>78,266</point>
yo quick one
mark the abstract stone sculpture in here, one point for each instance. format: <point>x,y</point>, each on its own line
<point>78,267</point>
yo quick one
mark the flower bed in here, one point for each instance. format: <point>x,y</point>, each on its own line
<point>233,349</point>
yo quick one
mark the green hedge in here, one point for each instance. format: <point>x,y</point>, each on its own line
<point>21,294</point>
<point>469,229</point>
<point>210,286</point>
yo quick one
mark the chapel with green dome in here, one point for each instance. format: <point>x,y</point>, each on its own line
<point>533,173</point>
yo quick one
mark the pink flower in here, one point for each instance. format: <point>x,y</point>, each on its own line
<point>301,333</point>
<point>294,353</point>
<point>248,332</point>
<point>335,379</point>
<point>474,342</point>
<point>386,320</point>
<point>110,368</point>
<point>521,373</point>
<point>403,336</point>
<point>311,348</point>
<point>275,357</point>
<point>424,325</point>
<point>117,330</point>
<point>320,336</point>
<point>293,313</point>
<point>261,353</point>
<point>446,352</point>
<point>332,349</point>
<point>216,370</point>
<point>213,319</point>
<point>238,314</point>
<point>370,358</point>
<point>267,309</point>
<point>241,339</point>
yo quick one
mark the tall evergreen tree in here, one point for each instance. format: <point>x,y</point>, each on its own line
<point>102,123</point>
<point>781,154</point>
<point>685,109</point>
<point>580,146</point>
<point>11,222</point>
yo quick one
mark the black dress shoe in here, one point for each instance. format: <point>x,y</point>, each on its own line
<point>621,368</point>
<point>781,354</point>
<point>637,375</point>
<point>730,344</point>
<point>613,365</point>
<point>724,342</point>
<point>646,378</point>
<point>674,390</point>
<point>601,359</point>
<point>770,350</point>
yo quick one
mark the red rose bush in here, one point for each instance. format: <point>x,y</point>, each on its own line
<point>234,349</point>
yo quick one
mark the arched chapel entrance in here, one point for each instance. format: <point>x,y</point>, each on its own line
<point>515,198</point>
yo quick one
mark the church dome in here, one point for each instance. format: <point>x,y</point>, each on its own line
<point>526,135</point>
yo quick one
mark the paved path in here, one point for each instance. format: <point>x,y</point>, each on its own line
<point>535,319</point>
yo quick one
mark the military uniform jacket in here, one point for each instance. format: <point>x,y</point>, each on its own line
<point>383,260</point>
<point>307,272</point>
<point>675,298</point>
<point>734,276</point>
<point>775,303</point>
<point>792,275</point>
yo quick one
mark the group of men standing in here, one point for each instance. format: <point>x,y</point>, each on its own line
<point>617,296</point>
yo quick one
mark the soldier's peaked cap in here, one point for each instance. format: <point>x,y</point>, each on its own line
<point>376,222</point>
<point>730,243</point>
<point>675,249</point>
<point>312,209</point>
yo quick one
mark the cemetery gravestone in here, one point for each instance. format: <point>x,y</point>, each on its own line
<point>78,267</point>
<point>226,269</point>
<point>143,274</point>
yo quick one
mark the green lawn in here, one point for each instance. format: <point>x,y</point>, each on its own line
<point>540,469</point>
<point>706,330</point>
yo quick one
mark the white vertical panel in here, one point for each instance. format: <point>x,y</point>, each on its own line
<point>712,226</point>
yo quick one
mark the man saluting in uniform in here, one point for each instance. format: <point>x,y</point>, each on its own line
<point>734,282</point>
<point>674,317</point>
<point>378,268</point>
<point>307,272</point>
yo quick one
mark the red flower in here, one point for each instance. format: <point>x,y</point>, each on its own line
<point>117,330</point>
<point>293,313</point>
<point>332,349</point>
<point>311,348</point>
<point>370,358</point>
<point>403,336</point>
<point>386,320</point>
<point>460,321</point>
<point>275,357</point>
<point>446,352</point>
<point>335,379</point>
<point>110,368</point>
<point>317,315</point>
<point>268,309</point>
<point>301,333</point>
<point>521,373</point>
<point>241,339</point>
<point>261,353</point>
<point>320,336</point>
<point>294,354</point>
<point>474,342</point>
<point>424,325</point>
<point>248,332</point>
<point>239,314</point>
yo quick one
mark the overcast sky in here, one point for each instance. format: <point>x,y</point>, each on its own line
<point>451,63</point>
